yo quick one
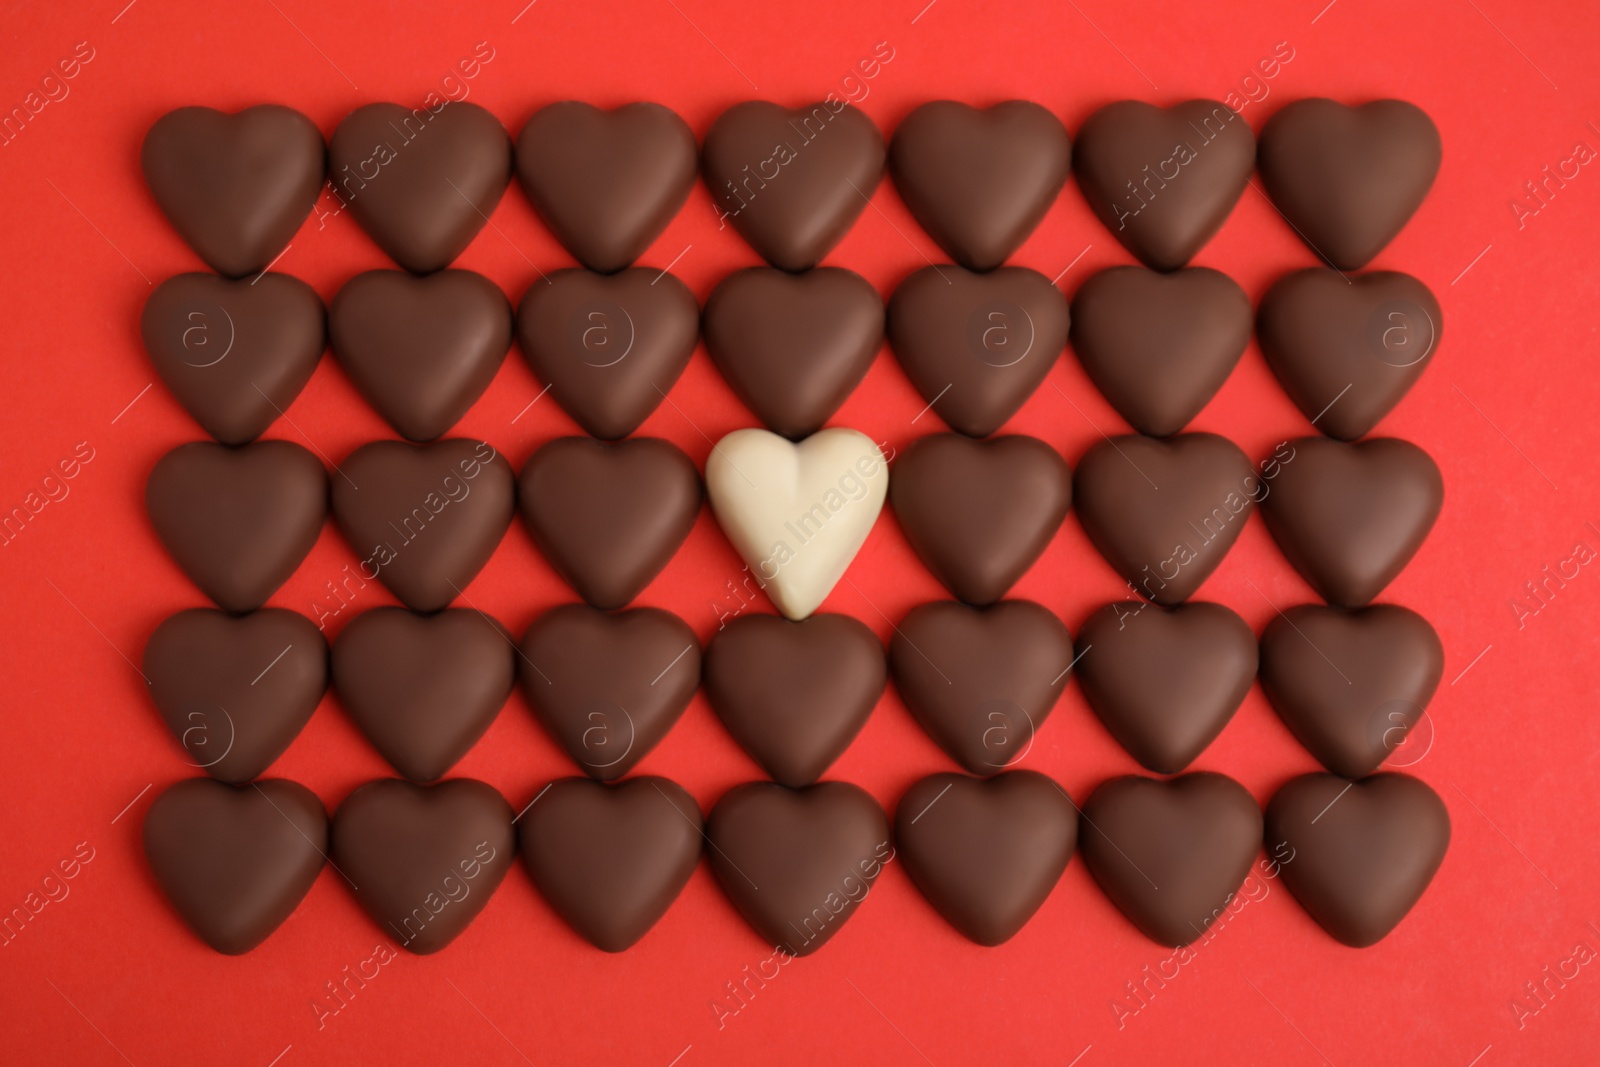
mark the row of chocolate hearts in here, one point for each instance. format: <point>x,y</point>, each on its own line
<point>422,182</point>
<point>609,516</point>
<point>793,347</point>
<point>236,691</point>
<point>610,860</point>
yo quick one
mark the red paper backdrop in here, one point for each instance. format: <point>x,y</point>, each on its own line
<point>109,974</point>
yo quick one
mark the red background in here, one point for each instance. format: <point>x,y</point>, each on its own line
<point>109,974</point>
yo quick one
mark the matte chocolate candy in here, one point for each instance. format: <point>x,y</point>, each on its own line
<point>793,346</point>
<point>1163,180</point>
<point>421,350</point>
<point>606,182</point>
<point>1350,684</point>
<point>792,182</point>
<point>236,690</point>
<point>238,521</point>
<point>424,518</point>
<point>1349,178</point>
<point>423,688</point>
<point>421,181</point>
<point>234,353</point>
<point>798,862</point>
<point>423,860</point>
<point>986,852</point>
<point>611,859</point>
<point>976,346</point>
<point>979,513</point>
<point>1347,349</point>
<point>1364,851</point>
<point>235,861</point>
<point>1165,513</point>
<point>608,346</point>
<point>1159,346</point>
<point>1350,517</point>
<point>794,694</point>
<point>1171,854</point>
<point>979,180</point>
<point>797,513</point>
<point>1165,681</point>
<point>608,687</point>
<point>609,516</point>
<point>981,681</point>
<point>235,187</point>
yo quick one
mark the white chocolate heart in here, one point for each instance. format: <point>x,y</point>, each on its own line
<point>797,513</point>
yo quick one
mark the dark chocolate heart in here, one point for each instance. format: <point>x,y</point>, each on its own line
<point>1165,513</point>
<point>794,694</point>
<point>1163,180</point>
<point>1346,350</point>
<point>979,513</point>
<point>421,181</point>
<point>979,180</point>
<point>1159,346</point>
<point>976,346</point>
<point>608,346</point>
<point>1349,178</point>
<point>793,346</point>
<point>611,859</point>
<point>793,182</point>
<point>608,687</point>
<point>1363,852</point>
<point>421,350</point>
<point>234,353</point>
<point>235,187</point>
<point>798,862</point>
<point>606,182</point>
<point>1350,684</point>
<point>608,515</point>
<point>238,520</point>
<point>423,688</point>
<point>235,861</point>
<point>986,852</point>
<point>1165,681</point>
<point>981,681</point>
<point>424,518</point>
<point>236,690</point>
<point>1350,517</point>
<point>1171,854</point>
<point>423,860</point>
